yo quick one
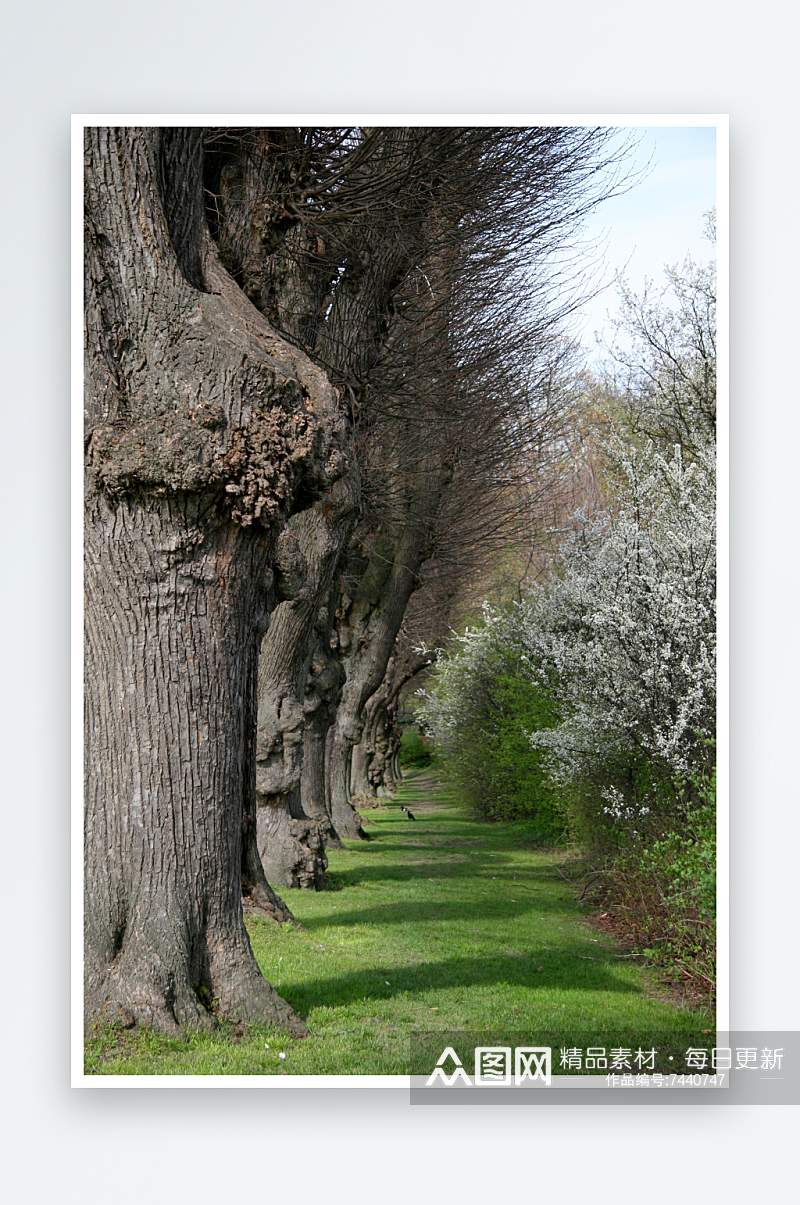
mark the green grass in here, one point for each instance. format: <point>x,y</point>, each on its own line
<point>436,926</point>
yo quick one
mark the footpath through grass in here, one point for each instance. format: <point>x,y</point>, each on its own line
<point>436,926</point>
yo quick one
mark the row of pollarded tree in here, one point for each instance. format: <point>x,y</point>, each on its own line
<point>318,367</point>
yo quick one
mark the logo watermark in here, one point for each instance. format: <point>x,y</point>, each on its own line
<point>728,1069</point>
<point>493,1067</point>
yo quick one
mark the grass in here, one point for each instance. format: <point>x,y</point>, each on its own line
<point>437,926</point>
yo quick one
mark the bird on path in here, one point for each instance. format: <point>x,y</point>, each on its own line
<point>410,815</point>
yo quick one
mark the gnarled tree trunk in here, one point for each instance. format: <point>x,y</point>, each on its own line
<point>323,692</point>
<point>292,842</point>
<point>375,768</point>
<point>203,428</point>
<point>369,625</point>
<point>369,771</point>
<point>328,280</point>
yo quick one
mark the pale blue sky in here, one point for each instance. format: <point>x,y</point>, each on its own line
<point>659,221</point>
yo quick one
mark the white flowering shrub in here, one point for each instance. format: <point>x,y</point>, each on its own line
<point>628,630</point>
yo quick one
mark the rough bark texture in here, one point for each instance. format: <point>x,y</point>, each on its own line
<point>328,281</point>
<point>375,769</point>
<point>322,695</point>
<point>368,623</point>
<point>258,898</point>
<point>292,850</point>
<point>204,430</point>
<point>291,841</point>
<point>371,768</point>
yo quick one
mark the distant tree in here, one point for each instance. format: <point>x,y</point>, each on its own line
<point>664,359</point>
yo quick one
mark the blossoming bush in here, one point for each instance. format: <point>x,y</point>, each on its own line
<point>628,632</point>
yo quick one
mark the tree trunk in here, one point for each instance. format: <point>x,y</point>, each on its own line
<point>369,623</point>
<point>367,632</point>
<point>204,427</point>
<point>292,849</point>
<point>336,302</point>
<point>323,691</point>
<point>291,841</point>
<point>376,758</point>
<point>368,776</point>
<point>363,753</point>
<point>166,683</point>
<point>386,743</point>
<point>258,898</point>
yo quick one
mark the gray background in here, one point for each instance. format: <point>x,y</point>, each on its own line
<point>421,57</point>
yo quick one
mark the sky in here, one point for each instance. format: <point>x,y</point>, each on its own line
<point>658,221</point>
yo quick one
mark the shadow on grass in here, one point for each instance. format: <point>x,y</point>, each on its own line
<point>567,974</point>
<point>416,912</point>
<point>439,866</point>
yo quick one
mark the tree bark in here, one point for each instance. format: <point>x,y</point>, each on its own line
<point>258,898</point>
<point>322,695</point>
<point>329,282</point>
<point>376,758</point>
<point>369,624</point>
<point>204,429</point>
<point>291,841</point>
<point>369,775</point>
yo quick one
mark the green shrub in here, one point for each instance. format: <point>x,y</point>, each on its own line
<point>625,801</point>
<point>496,768</point>
<point>414,749</point>
<point>658,882</point>
<point>688,858</point>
